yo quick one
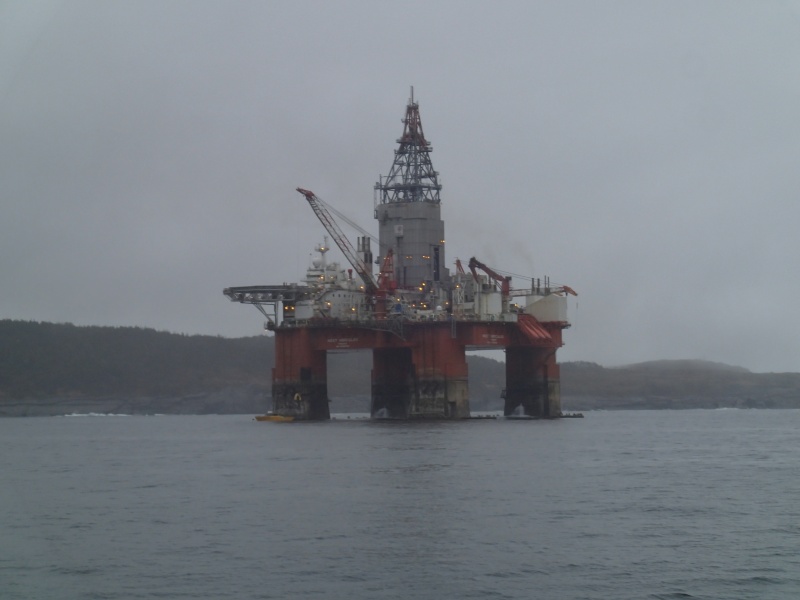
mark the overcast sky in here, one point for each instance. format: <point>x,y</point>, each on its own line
<point>645,153</point>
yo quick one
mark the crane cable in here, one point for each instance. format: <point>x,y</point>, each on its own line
<point>352,223</point>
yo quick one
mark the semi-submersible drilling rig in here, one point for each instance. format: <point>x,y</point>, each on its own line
<point>416,317</point>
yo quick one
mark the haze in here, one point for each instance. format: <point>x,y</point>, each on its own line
<point>644,153</point>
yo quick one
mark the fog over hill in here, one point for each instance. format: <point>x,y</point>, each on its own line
<point>682,365</point>
<point>48,368</point>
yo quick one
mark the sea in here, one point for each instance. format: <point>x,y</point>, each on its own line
<point>618,505</point>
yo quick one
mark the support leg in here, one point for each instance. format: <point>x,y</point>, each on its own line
<point>391,383</point>
<point>441,389</point>
<point>532,383</point>
<point>299,380</point>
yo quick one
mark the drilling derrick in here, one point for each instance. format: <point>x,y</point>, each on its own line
<point>415,317</point>
<point>408,210</point>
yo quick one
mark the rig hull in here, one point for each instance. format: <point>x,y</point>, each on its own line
<point>420,372</point>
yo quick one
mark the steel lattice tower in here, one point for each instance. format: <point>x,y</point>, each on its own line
<point>412,177</point>
<point>408,207</point>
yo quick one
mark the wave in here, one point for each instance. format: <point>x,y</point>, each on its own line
<point>92,414</point>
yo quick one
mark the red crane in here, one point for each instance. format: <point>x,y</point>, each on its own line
<point>505,282</point>
<point>386,280</point>
<point>386,283</point>
<point>318,206</point>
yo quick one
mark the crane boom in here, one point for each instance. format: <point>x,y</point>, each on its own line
<point>505,282</point>
<point>341,239</point>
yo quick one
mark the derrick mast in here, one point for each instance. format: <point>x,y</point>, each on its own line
<point>408,209</point>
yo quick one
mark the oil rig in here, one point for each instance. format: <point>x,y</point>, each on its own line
<point>417,317</point>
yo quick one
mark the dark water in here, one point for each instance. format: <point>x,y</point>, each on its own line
<point>694,504</point>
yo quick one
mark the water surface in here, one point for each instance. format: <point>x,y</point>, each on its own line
<point>618,505</point>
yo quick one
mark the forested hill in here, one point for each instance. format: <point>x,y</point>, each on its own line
<point>48,368</point>
<point>46,359</point>
<point>675,384</point>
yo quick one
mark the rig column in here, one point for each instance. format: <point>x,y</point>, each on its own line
<point>532,381</point>
<point>300,376</point>
<point>440,374</point>
<point>392,383</point>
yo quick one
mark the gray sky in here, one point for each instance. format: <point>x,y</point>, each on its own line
<point>644,153</point>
